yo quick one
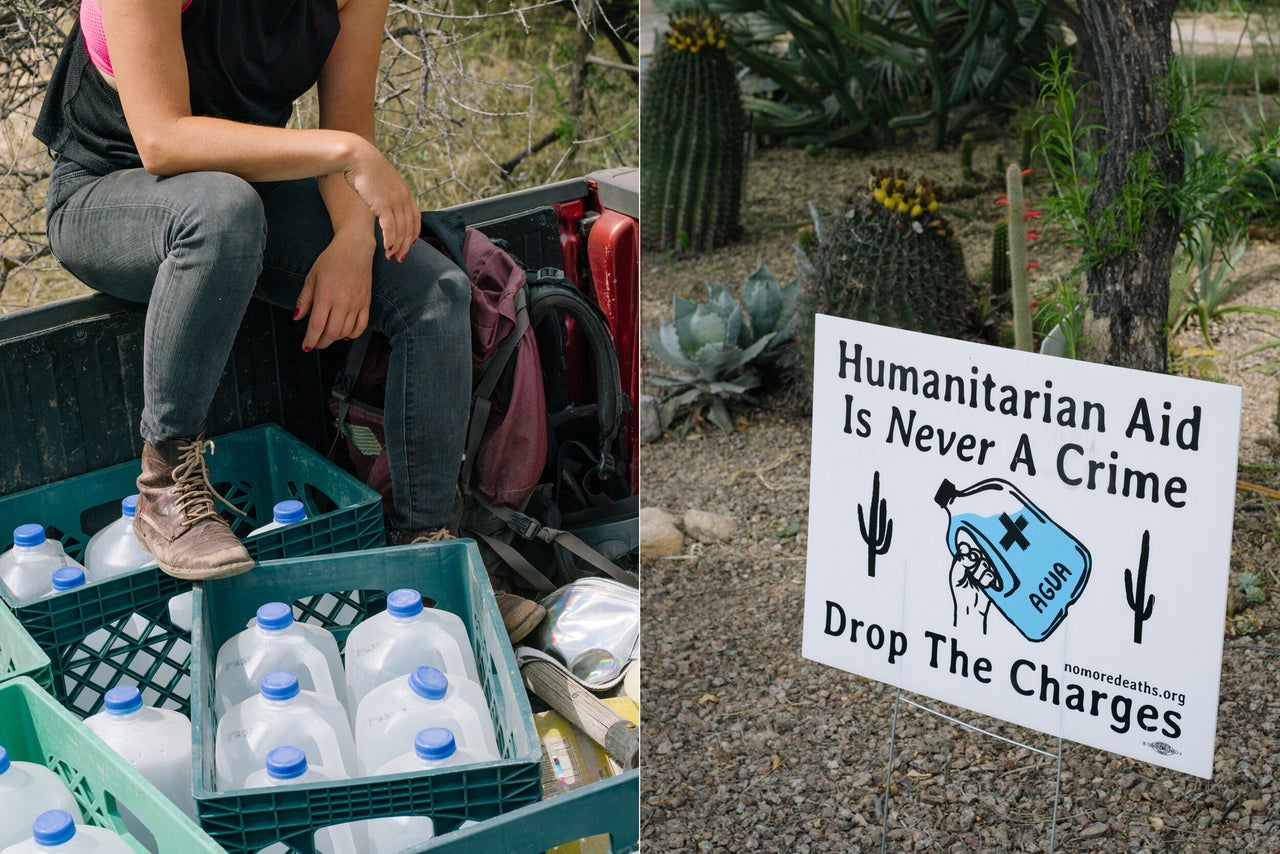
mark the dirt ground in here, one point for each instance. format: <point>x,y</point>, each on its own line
<point>747,746</point>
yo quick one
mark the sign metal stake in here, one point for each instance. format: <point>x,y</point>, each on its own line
<point>898,700</point>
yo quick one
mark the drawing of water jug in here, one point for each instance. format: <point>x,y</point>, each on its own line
<point>1030,568</point>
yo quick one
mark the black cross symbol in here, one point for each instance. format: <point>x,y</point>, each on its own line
<point>1013,533</point>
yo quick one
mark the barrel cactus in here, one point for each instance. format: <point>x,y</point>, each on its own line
<point>893,260</point>
<point>694,130</point>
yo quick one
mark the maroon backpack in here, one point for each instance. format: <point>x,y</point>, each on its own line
<point>506,446</point>
<point>536,457</point>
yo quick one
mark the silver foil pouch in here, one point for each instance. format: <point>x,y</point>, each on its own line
<point>592,627</point>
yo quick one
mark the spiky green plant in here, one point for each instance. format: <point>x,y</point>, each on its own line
<point>1000,280</point>
<point>891,259</point>
<point>966,157</point>
<point>722,349</point>
<point>694,129</point>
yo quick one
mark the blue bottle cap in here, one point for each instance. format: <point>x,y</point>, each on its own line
<point>67,577</point>
<point>53,827</point>
<point>285,763</point>
<point>122,700</point>
<point>4,760</point>
<point>28,535</point>
<point>404,603</point>
<point>288,512</point>
<point>274,616</point>
<point>429,682</point>
<point>434,743</point>
<point>279,685</point>
<point>129,506</point>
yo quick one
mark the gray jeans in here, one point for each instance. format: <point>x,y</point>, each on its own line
<point>197,247</point>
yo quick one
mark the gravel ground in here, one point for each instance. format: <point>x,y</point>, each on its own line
<point>748,746</point>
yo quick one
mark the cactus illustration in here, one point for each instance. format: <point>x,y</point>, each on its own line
<point>877,532</point>
<point>694,129</point>
<point>1136,597</point>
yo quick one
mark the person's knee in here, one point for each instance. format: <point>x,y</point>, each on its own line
<point>228,212</point>
<point>424,293</point>
<point>455,290</point>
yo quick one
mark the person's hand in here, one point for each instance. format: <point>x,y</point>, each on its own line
<point>336,293</point>
<point>380,186</point>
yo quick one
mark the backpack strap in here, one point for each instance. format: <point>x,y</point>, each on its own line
<point>345,381</point>
<point>550,295</point>
<point>482,394</point>
<point>531,529</point>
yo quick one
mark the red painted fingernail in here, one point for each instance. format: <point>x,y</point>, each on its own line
<point>306,349</point>
<point>297,312</point>
<point>391,249</point>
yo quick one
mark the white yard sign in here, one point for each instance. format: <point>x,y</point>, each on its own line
<point>1040,540</point>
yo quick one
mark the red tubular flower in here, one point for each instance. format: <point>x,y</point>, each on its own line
<point>1033,214</point>
<point>1033,266</point>
<point>1026,172</point>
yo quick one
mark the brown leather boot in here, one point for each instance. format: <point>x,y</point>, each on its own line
<point>177,520</point>
<point>519,615</point>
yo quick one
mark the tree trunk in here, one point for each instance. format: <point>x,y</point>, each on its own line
<point>1129,285</point>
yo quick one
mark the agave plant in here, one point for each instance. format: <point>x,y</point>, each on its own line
<point>718,348</point>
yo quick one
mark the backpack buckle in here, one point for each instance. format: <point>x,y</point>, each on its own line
<point>546,274</point>
<point>524,525</point>
<point>342,385</point>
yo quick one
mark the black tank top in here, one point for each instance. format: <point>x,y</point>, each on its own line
<point>247,60</point>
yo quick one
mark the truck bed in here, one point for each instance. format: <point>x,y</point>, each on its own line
<point>70,381</point>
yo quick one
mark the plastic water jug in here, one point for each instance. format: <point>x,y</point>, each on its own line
<point>26,568</point>
<point>66,578</point>
<point>27,790</point>
<point>433,747</point>
<point>287,766</point>
<point>56,830</point>
<point>156,742</point>
<point>282,714</point>
<point>405,636</point>
<point>276,642</point>
<point>284,513</point>
<point>395,712</point>
<point>1030,567</point>
<point>115,549</point>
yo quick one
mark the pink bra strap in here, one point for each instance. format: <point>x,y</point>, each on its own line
<point>95,38</point>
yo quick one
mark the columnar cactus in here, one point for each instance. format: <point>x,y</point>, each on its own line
<point>1000,280</point>
<point>694,130</point>
<point>891,259</point>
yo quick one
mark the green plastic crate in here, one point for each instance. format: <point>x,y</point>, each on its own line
<point>452,574</point>
<point>118,631</point>
<point>20,655</point>
<point>34,728</point>
<point>610,806</point>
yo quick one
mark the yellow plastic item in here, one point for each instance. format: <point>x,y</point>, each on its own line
<point>571,760</point>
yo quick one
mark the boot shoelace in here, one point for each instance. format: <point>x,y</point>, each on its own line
<point>434,537</point>
<point>197,494</point>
